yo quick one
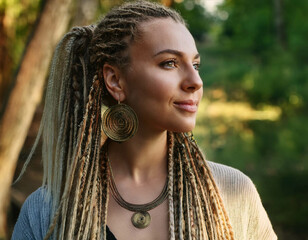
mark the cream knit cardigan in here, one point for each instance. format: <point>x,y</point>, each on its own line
<point>241,199</point>
<point>243,204</point>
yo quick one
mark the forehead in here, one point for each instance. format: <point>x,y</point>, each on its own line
<point>160,34</point>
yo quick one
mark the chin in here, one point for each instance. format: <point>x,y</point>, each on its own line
<point>183,128</point>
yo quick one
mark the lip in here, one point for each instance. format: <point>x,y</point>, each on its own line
<point>187,105</point>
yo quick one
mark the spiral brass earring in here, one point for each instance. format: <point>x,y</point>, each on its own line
<point>120,122</point>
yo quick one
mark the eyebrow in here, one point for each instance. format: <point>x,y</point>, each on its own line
<point>175,52</point>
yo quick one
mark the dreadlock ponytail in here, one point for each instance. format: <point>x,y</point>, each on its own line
<point>71,137</point>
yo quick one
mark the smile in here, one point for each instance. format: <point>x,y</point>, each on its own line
<point>188,106</point>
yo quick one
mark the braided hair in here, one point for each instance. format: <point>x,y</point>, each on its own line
<point>76,175</point>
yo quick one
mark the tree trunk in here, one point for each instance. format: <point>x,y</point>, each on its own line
<point>85,12</point>
<point>279,23</point>
<point>27,93</point>
<point>5,60</point>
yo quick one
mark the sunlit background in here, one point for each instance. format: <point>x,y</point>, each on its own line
<point>254,114</point>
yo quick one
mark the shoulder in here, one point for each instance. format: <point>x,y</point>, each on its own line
<point>230,180</point>
<point>236,189</point>
<point>37,205</point>
<point>34,216</point>
<point>242,202</point>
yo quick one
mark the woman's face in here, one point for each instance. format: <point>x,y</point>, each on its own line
<point>162,83</point>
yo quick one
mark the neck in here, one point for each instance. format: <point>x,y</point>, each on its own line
<point>141,158</point>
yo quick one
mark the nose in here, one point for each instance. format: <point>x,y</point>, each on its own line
<point>191,80</point>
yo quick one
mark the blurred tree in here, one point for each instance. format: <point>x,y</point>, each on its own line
<point>6,58</point>
<point>279,23</point>
<point>167,3</point>
<point>266,38</point>
<point>17,18</point>
<point>106,5</point>
<point>249,25</point>
<point>85,12</point>
<point>196,17</point>
<point>27,93</point>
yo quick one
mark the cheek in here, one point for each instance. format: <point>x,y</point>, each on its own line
<point>151,89</point>
<point>159,91</point>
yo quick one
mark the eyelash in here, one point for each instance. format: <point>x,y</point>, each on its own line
<point>174,62</point>
<point>197,66</point>
<point>165,64</point>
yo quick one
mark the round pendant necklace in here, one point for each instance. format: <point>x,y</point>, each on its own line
<point>141,217</point>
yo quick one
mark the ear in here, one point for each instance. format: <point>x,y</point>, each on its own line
<point>114,85</point>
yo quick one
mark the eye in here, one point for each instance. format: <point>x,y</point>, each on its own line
<point>169,64</point>
<point>196,66</point>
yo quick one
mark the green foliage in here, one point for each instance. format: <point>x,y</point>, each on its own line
<point>249,25</point>
<point>21,16</point>
<point>297,28</point>
<point>284,195</point>
<point>224,68</point>
<point>196,17</point>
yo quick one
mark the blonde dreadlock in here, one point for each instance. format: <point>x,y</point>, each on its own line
<point>75,171</point>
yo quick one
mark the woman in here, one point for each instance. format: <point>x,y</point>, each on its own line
<point>142,63</point>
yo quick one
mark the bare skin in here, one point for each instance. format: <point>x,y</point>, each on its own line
<point>138,182</point>
<point>164,88</point>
